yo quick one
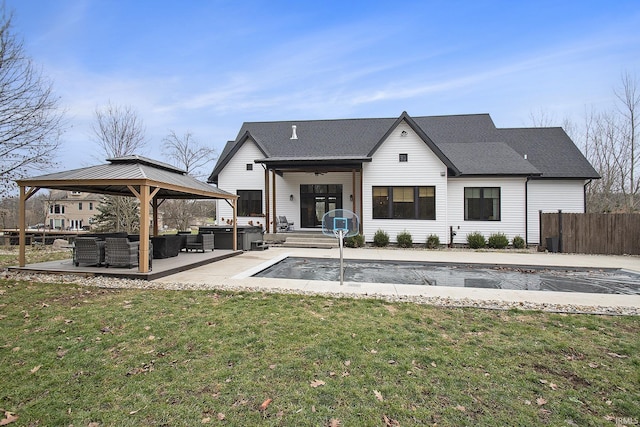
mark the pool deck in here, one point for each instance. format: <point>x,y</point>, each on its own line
<point>236,272</point>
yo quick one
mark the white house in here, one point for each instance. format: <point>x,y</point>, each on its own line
<point>440,175</point>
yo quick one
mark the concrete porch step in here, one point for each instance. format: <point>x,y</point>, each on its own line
<point>309,240</point>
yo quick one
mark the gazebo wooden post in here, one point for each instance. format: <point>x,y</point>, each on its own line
<point>143,261</point>
<point>154,203</point>
<point>22,223</point>
<point>22,259</point>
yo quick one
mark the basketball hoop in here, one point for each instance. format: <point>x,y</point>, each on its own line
<point>340,223</point>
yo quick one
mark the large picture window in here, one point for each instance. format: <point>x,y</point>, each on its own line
<point>404,203</point>
<point>250,202</point>
<point>482,203</point>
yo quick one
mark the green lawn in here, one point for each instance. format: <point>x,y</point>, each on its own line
<point>88,356</point>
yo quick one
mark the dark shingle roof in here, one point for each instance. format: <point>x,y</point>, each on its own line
<point>467,144</point>
<point>487,158</point>
<point>551,151</point>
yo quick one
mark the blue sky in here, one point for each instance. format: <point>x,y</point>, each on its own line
<point>207,66</point>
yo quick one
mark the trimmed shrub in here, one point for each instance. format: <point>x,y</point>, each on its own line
<point>476,240</point>
<point>381,238</point>
<point>404,239</point>
<point>356,241</point>
<point>498,241</point>
<point>433,241</point>
<point>518,242</point>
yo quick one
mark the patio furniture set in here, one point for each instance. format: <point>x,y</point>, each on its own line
<point>123,251</point>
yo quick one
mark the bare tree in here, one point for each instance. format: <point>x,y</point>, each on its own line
<point>191,156</point>
<point>118,130</point>
<point>188,154</point>
<point>629,97</point>
<point>542,118</point>
<point>30,118</point>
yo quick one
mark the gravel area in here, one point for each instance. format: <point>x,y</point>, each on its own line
<point>111,283</point>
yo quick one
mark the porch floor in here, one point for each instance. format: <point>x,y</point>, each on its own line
<point>161,267</point>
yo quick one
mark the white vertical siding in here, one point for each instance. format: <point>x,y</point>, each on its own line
<point>512,208</point>
<point>551,196</point>
<point>235,176</point>
<point>423,168</point>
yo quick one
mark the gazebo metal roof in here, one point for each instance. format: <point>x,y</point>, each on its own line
<point>115,177</point>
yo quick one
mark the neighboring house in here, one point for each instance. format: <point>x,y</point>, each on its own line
<point>71,210</point>
<point>427,175</point>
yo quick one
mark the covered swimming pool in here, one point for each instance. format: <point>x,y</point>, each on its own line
<point>533,278</point>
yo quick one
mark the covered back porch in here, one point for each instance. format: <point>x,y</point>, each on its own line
<point>303,190</point>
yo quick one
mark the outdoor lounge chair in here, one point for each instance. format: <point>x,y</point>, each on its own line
<point>88,250</point>
<point>119,251</point>
<point>199,242</point>
<point>283,224</point>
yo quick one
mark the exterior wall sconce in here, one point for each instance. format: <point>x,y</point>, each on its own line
<point>351,197</point>
<point>291,197</point>
<point>443,173</point>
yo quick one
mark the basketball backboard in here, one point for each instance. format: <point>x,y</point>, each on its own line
<point>340,220</point>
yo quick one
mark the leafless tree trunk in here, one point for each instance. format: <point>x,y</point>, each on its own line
<point>192,157</point>
<point>188,154</point>
<point>30,118</point>
<point>602,149</point>
<point>119,131</point>
<point>629,97</point>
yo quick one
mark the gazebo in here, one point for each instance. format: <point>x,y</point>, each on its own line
<point>150,181</point>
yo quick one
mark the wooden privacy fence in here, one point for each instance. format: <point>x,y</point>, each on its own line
<point>590,233</point>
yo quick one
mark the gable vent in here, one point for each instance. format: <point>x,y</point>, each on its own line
<point>294,135</point>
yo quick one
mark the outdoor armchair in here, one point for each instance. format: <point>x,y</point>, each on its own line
<point>200,242</point>
<point>119,251</point>
<point>283,224</point>
<point>89,250</point>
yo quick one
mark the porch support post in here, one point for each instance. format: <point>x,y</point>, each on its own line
<point>266,199</point>
<point>143,258</point>
<point>273,198</point>
<point>353,190</point>
<point>361,197</point>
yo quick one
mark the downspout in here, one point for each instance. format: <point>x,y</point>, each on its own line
<point>526,212</point>
<point>584,197</point>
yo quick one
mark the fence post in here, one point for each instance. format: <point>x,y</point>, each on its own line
<point>559,230</point>
<point>540,228</point>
